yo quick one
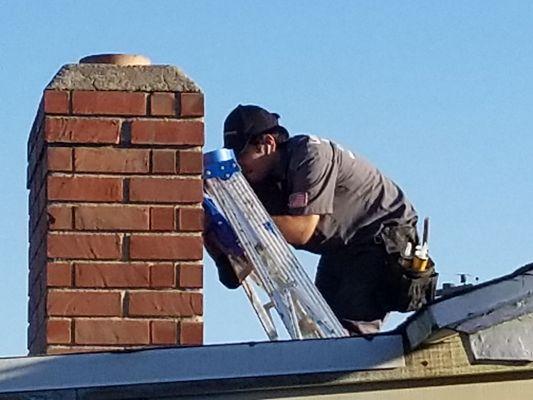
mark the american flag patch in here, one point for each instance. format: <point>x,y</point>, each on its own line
<point>298,200</point>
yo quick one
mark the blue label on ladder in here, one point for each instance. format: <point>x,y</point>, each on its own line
<point>219,225</point>
<point>220,164</point>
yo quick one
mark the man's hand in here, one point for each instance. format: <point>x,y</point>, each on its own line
<point>297,229</point>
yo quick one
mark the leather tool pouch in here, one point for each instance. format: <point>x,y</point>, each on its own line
<point>405,289</point>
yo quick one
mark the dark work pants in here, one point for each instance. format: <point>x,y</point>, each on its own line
<point>351,282</point>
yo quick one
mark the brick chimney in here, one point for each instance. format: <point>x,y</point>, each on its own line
<point>115,217</point>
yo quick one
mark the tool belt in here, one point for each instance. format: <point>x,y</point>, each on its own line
<point>405,289</point>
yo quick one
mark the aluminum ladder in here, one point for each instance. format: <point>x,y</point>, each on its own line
<point>276,273</point>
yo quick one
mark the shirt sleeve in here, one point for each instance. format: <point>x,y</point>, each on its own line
<point>311,179</point>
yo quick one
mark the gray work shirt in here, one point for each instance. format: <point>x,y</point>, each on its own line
<point>353,198</point>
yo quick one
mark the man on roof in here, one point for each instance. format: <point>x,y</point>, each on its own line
<point>331,202</point>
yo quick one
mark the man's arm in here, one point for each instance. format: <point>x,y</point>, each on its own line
<point>311,179</point>
<point>297,229</point>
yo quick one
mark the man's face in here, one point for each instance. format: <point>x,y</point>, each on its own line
<point>255,162</point>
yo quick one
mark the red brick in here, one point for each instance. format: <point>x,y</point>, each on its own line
<point>173,132</point>
<point>38,237</point>
<point>40,200</point>
<point>169,304</point>
<point>38,263</point>
<point>82,130</point>
<point>40,228</point>
<point>84,246</point>
<point>111,160</point>
<point>108,103</point>
<point>111,275</point>
<point>191,333</point>
<point>164,161</point>
<point>34,219</point>
<point>34,193</point>
<point>37,298</point>
<point>163,104</point>
<point>38,178</point>
<point>190,276</point>
<point>37,321</point>
<point>37,291</point>
<point>58,274</point>
<point>165,247</point>
<point>36,294</point>
<point>34,160</point>
<point>59,159</point>
<point>36,333</point>
<point>166,190</point>
<point>84,188</point>
<point>35,133</point>
<point>59,217</point>
<point>38,234</point>
<point>116,217</point>
<point>37,183</point>
<point>164,332</point>
<point>39,307</point>
<point>37,201</point>
<point>111,332</point>
<point>56,102</point>
<point>162,219</point>
<point>36,309</point>
<point>78,303</point>
<point>191,219</point>
<point>39,344</point>
<point>58,331</point>
<point>162,275</point>
<point>191,105</point>
<point>190,162</point>
<point>31,184</point>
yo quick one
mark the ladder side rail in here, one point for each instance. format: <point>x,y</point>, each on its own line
<point>268,287</point>
<point>330,326</point>
<point>253,226</point>
<point>245,233</point>
<point>306,320</point>
<point>294,316</point>
<point>277,242</point>
<point>228,207</point>
<point>282,304</point>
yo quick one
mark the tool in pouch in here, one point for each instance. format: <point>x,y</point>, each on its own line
<point>412,281</point>
<point>418,259</point>
<point>277,280</point>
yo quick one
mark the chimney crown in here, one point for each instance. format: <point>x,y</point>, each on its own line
<point>130,78</point>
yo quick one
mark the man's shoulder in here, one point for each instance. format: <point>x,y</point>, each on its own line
<point>308,145</point>
<point>308,153</point>
<point>303,138</point>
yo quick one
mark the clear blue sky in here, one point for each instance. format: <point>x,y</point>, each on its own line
<point>437,94</point>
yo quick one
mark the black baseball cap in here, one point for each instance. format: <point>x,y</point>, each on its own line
<point>245,122</point>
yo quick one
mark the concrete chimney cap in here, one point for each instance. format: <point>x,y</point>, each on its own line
<point>116,59</point>
<point>130,78</point>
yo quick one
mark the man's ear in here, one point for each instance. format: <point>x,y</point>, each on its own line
<point>270,143</point>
